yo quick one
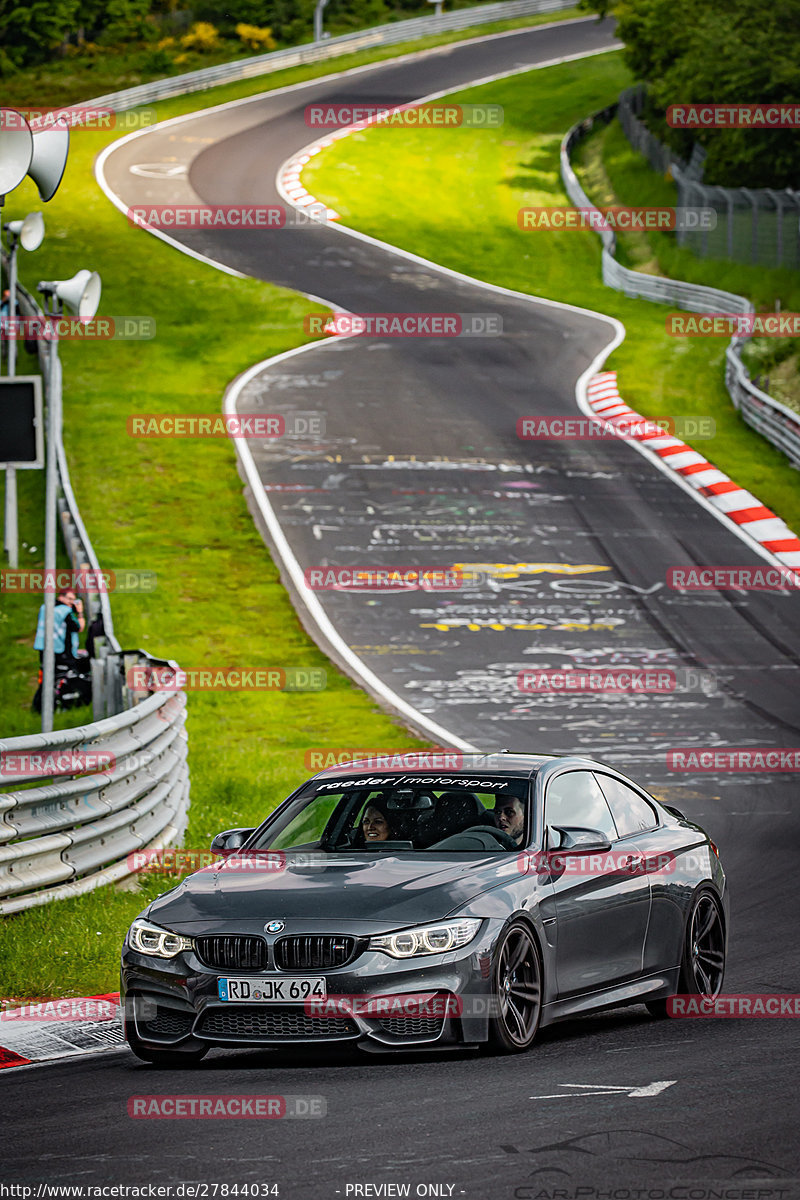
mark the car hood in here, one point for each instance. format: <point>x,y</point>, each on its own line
<point>376,891</point>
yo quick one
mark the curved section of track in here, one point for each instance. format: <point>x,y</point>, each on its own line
<point>578,536</point>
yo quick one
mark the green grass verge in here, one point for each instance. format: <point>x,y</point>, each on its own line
<point>473,228</point>
<point>70,81</point>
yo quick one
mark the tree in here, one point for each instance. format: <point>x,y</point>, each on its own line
<point>717,52</point>
<point>29,32</point>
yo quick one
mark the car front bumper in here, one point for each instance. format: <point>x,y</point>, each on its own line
<point>375,1002</point>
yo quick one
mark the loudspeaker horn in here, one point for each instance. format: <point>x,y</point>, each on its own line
<point>81,293</point>
<point>16,149</point>
<point>30,231</point>
<point>50,150</point>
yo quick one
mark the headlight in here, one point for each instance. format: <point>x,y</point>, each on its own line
<point>160,943</point>
<point>427,939</point>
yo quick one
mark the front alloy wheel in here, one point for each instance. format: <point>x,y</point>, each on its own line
<point>517,991</point>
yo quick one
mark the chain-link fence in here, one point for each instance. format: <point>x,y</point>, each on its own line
<point>758,226</point>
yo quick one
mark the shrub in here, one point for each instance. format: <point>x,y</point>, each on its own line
<point>202,36</point>
<point>255,37</point>
<point>158,61</point>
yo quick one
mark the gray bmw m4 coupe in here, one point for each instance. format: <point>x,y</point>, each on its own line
<point>466,904</point>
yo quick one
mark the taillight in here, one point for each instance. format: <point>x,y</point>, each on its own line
<point>713,847</point>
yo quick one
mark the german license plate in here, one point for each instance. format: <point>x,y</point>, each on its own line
<point>271,990</point>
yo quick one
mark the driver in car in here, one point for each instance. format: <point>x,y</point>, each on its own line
<point>509,813</point>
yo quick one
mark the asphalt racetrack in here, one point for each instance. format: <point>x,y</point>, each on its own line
<point>420,464</point>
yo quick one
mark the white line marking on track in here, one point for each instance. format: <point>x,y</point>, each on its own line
<point>598,1089</point>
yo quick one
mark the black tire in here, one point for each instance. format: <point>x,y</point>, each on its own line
<point>516,990</point>
<point>165,1057</point>
<point>703,959</point>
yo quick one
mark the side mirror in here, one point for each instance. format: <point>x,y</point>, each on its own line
<point>574,837</point>
<point>676,812</point>
<point>230,839</point>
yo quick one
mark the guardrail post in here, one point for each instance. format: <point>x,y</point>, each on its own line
<point>318,19</point>
<point>48,658</point>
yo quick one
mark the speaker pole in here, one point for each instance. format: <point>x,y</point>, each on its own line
<point>11,530</point>
<point>53,404</point>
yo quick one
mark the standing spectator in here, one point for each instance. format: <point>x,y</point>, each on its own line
<point>68,623</point>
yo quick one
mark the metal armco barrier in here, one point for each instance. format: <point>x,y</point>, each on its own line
<point>73,832</point>
<point>311,52</point>
<point>773,420</point>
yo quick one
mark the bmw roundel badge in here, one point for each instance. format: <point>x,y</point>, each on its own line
<point>273,927</point>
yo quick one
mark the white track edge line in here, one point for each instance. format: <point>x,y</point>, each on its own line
<point>290,562</point>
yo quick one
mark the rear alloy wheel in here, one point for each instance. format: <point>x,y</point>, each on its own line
<point>703,962</point>
<point>517,991</point>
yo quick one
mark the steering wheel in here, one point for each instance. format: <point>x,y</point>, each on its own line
<point>503,838</point>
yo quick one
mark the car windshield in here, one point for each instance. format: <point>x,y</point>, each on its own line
<point>477,814</point>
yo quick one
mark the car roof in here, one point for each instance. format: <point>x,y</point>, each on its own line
<point>444,762</point>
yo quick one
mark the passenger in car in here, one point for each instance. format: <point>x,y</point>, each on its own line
<point>375,824</point>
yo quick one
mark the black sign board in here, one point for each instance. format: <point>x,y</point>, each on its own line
<point>21,433</point>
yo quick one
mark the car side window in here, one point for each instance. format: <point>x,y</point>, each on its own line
<point>575,798</point>
<point>632,813</point>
